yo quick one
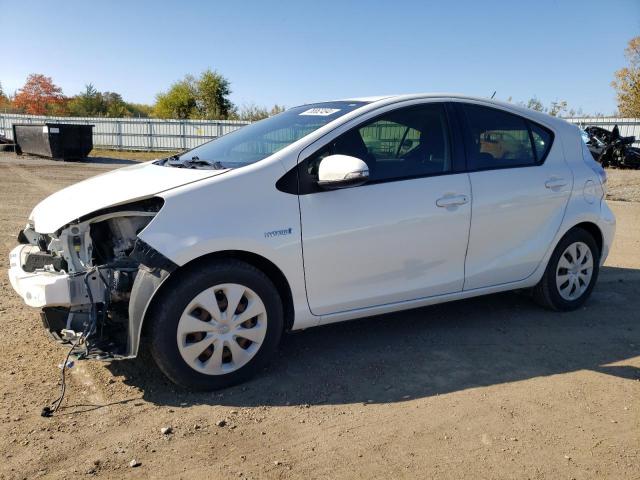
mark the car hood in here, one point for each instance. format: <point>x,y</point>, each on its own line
<point>117,187</point>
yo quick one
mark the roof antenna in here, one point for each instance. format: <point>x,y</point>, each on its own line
<point>494,94</point>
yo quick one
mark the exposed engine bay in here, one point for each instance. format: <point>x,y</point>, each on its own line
<point>91,266</point>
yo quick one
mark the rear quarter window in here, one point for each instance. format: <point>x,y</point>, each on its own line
<point>542,139</point>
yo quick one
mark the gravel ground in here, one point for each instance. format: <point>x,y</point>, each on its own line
<point>623,185</point>
<point>491,387</point>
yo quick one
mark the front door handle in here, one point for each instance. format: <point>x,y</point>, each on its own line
<point>452,201</point>
<point>555,183</point>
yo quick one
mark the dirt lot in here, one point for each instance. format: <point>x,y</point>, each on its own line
<point>492,387</point>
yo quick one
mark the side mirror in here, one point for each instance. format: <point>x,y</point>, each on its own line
<point>342,171</point>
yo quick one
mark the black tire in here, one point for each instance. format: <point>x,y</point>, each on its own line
<point>166,311</point>
<point>546,292</point>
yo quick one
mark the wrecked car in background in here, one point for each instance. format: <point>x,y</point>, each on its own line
<point>610,149</point>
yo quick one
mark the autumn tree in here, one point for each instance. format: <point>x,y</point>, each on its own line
<point>4,100</point>
<point>40,96</point>
<point>627,81</point>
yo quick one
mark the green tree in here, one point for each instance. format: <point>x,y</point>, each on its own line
<point>114,105</point>
<point>179,101</point>
<point>140,109</point>
<point>87,104</point>
<point>557,108</point>
<point>627,81</point>
<point>276,109</point>
<point>535,104</point>
<point>204,97</point>
<point>250,112</point>
<point>92,103</point>
<point>212,98</point>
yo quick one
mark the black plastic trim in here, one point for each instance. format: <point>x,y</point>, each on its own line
<point>54,320</point>
<point>288,183</point>
<point>149,257</point>
<point>37,260</point>
<point>22,238</point>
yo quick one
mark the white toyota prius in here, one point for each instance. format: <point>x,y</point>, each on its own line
<point>326,212</point>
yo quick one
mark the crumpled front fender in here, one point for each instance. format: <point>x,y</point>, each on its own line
<point>145,286</point>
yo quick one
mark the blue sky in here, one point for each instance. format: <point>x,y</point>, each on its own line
<point>291,52</point>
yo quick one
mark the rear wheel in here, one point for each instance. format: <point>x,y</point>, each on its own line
<point>217,326</point>
<point>571,273</point>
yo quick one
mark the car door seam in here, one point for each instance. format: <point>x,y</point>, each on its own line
<point>466,251</point>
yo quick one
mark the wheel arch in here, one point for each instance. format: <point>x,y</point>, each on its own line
<point>153,285</point>
<point>263,264</point>
<point>593,230</point>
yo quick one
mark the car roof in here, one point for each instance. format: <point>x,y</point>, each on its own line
<point>376,101</point>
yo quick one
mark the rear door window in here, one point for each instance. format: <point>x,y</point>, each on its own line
<point>498,139</point>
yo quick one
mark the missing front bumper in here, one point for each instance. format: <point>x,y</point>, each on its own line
<point>46,288</point>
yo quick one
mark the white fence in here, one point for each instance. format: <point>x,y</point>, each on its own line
<point>135,133</point>
<point>156,134</point>
<point>627,126</point>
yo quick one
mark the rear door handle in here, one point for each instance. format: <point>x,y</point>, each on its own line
<point>554,183</point>
<point>452,200</point>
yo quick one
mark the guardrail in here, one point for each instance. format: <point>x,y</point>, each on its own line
<point>136,133</point>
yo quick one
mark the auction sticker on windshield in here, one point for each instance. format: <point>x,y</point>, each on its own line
<point>323,112</point>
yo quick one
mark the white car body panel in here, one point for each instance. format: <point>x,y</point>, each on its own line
<point>378,245</point>
<point>221,218</point>
<point>37,289</point>
<point>119,186</point>
<point>367,250</point>
<point>515,217</point>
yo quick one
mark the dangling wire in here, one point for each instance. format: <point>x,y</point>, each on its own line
<point>49,410</point>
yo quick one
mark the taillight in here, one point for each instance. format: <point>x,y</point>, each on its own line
<point>595,166</point>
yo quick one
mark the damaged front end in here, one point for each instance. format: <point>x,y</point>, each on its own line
<point>82,277</point>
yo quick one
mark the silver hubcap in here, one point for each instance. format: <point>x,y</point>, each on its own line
<point>221,329</point>
<point>574,272</point>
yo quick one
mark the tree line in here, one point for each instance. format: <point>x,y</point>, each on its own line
<point>203,97</point>
<point>207,97</point>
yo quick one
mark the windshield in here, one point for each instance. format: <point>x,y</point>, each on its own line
<point>259,140</point>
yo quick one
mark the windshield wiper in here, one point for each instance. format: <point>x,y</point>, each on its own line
<point>195,161</point>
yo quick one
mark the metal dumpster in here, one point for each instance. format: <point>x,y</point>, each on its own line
<point>60,141</point>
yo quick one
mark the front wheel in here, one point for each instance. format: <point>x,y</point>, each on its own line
<point>216,326</point>
<point>571,273</point>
